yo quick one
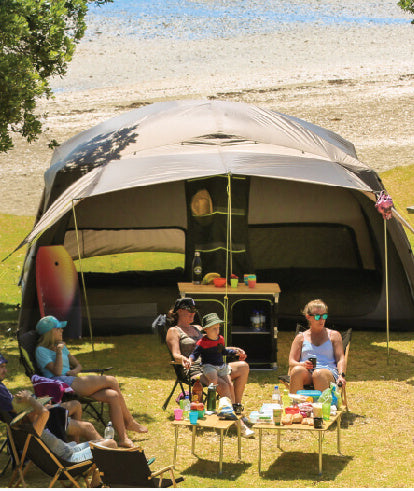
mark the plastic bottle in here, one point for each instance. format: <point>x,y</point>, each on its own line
<point>211,397</point>
<point>186,407</point>
<point>255,321</point>
<point>276,397</point>
<point>197,269</point>
<point>109,431</point>
<point>197,391</point>
<point>262,321</point>
<point>285,399</point>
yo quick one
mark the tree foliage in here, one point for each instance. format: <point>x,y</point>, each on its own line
<point>407,5</point>
<point>37,40</point>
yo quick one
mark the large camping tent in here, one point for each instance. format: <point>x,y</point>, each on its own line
<point>163,178</point>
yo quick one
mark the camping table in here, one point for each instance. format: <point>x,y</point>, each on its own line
<point>241,301</point>
<point>212,422</point>
<point>298,427</point>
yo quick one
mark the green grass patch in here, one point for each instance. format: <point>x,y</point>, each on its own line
<point>376,434</point>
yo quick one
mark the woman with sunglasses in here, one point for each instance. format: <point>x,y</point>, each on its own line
<point>181,339</point>
<point>321,343</point>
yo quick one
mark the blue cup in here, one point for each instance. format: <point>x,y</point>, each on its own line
<point>193,415</point>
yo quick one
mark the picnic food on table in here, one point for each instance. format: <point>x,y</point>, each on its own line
<point>209,278</point>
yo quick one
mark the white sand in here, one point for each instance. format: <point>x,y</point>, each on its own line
<point>357,81</point>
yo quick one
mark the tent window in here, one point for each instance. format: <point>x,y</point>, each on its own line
<point>303,246</point>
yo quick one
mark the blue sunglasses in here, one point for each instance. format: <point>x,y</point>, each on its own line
<point>318,316</point>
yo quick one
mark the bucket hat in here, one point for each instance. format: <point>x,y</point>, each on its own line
<point>48,323</point>
<point>211,320</point>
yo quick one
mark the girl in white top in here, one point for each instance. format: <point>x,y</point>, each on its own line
<point>323,343</point>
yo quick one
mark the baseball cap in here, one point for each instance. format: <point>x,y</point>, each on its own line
<point>183,303</point>
<point>48,323</point>
<point>211,320</point>
<point>2,359</point>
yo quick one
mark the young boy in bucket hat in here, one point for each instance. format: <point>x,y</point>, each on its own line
<point>211,348</point>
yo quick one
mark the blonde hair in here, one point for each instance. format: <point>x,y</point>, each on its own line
<point>314,304</point>
<point>47,340</point>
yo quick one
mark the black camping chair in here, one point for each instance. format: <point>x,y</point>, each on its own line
<point>27,347</point>
<point>181,379</point>
<point>28,448</point>
<point>128,467</point>
<point>346,343</point>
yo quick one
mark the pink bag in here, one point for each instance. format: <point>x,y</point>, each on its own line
<point>384,205</point>
<point>48,387</point>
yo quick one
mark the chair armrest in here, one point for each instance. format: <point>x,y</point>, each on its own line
<point>162,471</point>
<point>95,370</point>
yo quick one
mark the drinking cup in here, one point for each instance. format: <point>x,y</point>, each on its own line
<point>251,283</point>
<point>312,359</point>
<point>178,414</point>
<point>318,423</point>
<point>245,279</point>
<point>326,411</point>
<point>193,415</point>
<point>317,410</point>
<point>234,282</point>
<point>201,414</point>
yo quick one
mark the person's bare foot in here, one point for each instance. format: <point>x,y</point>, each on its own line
<point>127,443</point>
<point>134,426</point>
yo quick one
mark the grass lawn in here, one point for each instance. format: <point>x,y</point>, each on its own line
<point>377,437</point>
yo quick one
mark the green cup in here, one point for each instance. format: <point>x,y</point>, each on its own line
<point>234,282</point>
<point>326,411</point>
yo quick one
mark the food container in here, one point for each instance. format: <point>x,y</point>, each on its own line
<point>219,282</point>
<point>315,394</point>
<point>254,417</point>
<point>292,409</point>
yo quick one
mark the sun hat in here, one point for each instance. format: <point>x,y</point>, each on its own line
<point>2,359</point>
<point>181,303</point>
<point>211,320</point>
<point>48,323</point>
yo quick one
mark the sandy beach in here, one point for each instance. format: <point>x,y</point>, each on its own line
<point>355,80</point>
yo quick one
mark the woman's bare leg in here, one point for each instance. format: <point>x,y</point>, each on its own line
<point>299,376</point>
<point>93,385</point>
<point>239,375</point>
<point>322,379</point>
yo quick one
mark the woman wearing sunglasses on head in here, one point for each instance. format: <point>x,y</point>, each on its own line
<point>321,343</point>
<point>181,339</point>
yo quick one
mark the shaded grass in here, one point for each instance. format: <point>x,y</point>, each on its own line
<point>376,435</point>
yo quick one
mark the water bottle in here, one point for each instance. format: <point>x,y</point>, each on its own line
<point>285,399</point>
<point>262,321</point>
<point>109,431</point>
<point>276,397</point>
<point>186,407</point>
<point>197,269</point>
<point>255,321</point>
<point>211,397</point>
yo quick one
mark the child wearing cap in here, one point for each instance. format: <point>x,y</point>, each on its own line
<point>211,348</point>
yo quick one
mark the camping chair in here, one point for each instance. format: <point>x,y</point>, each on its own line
<point>128,467</point>
<point>181,379</point>
<point>6,418</point>
<point>346,343</point>
<point>28,448</point>
<point>27,347</point>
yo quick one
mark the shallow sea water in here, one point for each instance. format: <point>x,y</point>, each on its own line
<point>187,19</point>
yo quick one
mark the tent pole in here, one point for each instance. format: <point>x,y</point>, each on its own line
<point>83,278</point>
<point>386,290</point>
<point>228,255</point>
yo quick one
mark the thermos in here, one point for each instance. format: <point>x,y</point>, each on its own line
<point>211,397</point>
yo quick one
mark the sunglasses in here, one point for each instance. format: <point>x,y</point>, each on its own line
<point>318,316</point>
<point>192,310</point>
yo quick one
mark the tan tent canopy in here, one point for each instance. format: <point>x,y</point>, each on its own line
<point>302,204</point>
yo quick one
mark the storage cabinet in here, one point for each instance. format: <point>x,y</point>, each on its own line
<point>260,344</point>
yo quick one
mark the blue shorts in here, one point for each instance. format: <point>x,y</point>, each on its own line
<point>67,379</point>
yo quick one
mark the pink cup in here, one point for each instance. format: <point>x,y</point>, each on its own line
<point>178,414</point>
<point>251,283</point>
